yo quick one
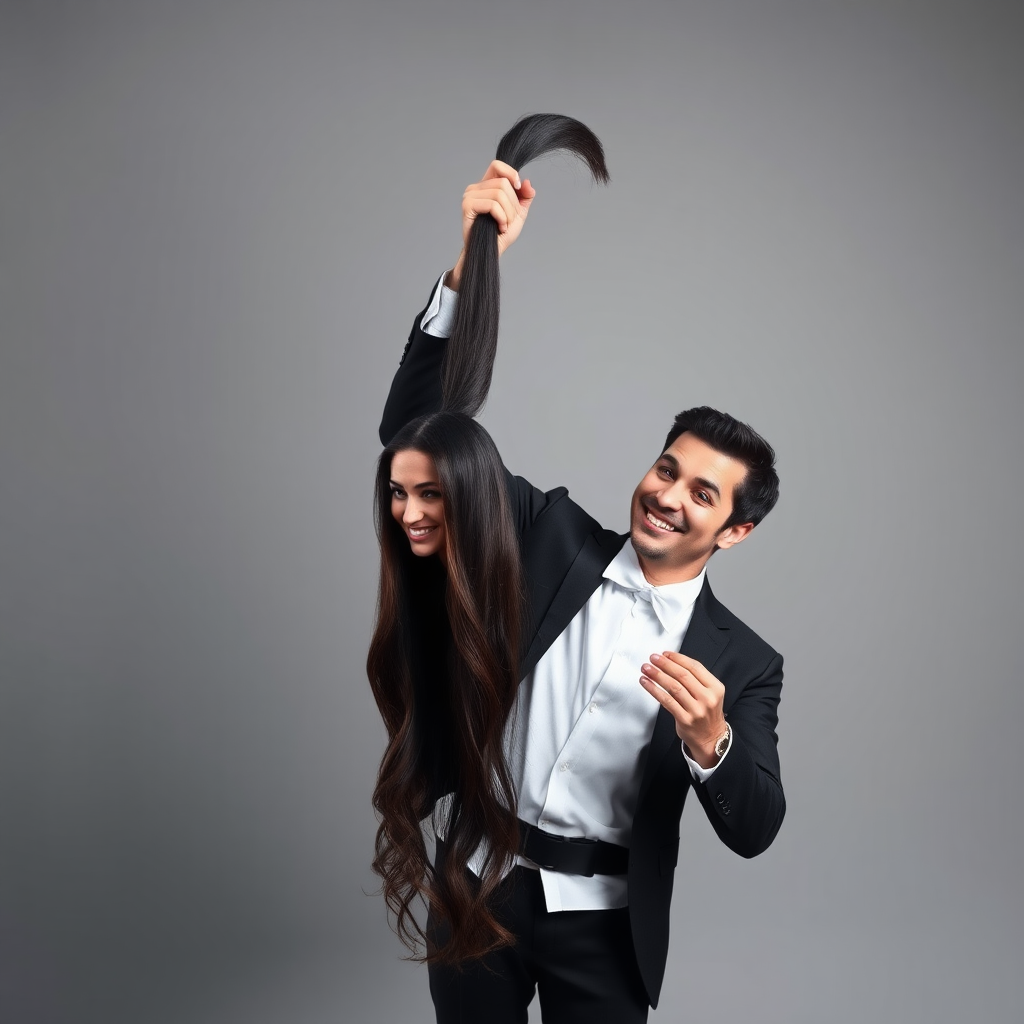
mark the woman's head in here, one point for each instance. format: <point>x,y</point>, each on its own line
<point>417,502</point>
<point>441,490</point>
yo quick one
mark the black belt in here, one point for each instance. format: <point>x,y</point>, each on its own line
<point>573,856</point>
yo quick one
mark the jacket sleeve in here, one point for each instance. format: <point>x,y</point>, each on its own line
<point>416,388</point>
<point>743,799</point>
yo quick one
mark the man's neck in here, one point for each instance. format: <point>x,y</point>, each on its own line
<point>661,575</point>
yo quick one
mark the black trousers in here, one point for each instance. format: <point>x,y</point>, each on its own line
<point>580,963</point>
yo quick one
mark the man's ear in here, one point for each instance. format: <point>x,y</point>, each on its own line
<point>734,534</point>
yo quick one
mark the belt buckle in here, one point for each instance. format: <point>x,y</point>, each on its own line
<point>569,840</point>
<point>581,840</point>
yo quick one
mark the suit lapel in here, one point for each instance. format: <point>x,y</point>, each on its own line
<point>704,642</point>
<point>582,579</point>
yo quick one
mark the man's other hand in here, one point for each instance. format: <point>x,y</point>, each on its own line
<point>693,697</point>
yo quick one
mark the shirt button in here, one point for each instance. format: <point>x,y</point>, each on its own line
<point>593,708</point>
<point>564,766</point>
<point>544,823</point>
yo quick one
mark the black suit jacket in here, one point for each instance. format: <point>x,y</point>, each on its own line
<point>565,552</point>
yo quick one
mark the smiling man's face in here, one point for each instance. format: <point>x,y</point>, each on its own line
<point>680,507</point>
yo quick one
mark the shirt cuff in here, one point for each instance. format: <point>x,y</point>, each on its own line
<point>439,317</point>
<point>703,774</point>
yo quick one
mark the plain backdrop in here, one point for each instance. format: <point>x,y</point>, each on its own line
<point>217,220</point>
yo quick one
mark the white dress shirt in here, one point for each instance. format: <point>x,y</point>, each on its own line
<point>578,737</point>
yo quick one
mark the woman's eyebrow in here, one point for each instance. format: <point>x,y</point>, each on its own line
<point>429,483</point>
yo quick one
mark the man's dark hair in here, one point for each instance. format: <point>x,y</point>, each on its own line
<point>753,499</point>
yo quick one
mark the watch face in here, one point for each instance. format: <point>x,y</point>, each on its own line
<point>723,743</point>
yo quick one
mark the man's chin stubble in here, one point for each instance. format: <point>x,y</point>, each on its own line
<point>650,554</point>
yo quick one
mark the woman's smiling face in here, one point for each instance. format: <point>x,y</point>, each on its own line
<point>417,503</point>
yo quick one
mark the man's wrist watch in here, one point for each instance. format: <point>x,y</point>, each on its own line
<point>723,743</point>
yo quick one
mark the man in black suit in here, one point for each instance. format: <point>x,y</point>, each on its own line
<point>637,686</point>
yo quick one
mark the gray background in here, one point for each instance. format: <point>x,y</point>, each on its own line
<point>217,222</point>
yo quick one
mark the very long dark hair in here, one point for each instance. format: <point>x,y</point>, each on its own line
<point>443,667</point>
<point>469,358</point>
<point>444,658</point>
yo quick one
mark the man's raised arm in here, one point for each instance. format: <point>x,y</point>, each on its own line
<point>416,388</point>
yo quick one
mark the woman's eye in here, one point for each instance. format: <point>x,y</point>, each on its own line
<point>396,493</point>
